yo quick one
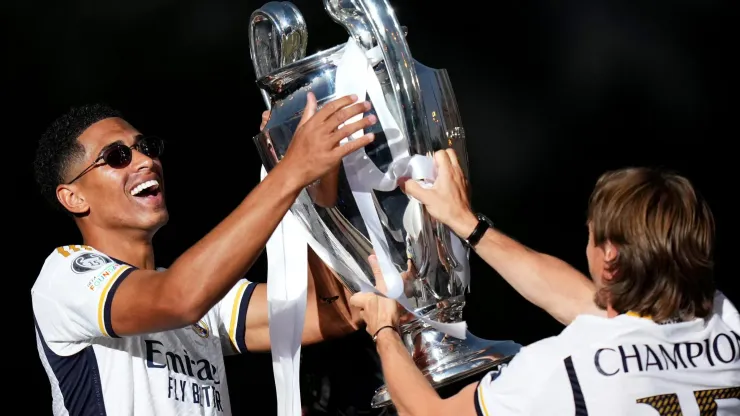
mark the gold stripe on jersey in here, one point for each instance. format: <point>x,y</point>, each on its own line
<point>65,250</point>
<point>104,295</point>
<point>235,313</point>
<point>482,401</point>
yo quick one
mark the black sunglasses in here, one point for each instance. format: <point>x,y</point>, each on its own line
<point>118,155</point>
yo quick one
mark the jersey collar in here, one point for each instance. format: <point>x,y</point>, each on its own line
<point>650,318</point>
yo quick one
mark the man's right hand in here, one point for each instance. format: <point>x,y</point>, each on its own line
<point>315,149</point>
<point>377,311</point>
<point>447,200</point>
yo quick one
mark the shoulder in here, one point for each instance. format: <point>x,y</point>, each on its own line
<point>594,328</point>
<point>723,304</point>
<point>549,353</point>
<point>584,328</point>
<point>539,358</point>
<point>726,310</point>
<point>79,259</point>
<point>540,361</point>
<point>76,266</point>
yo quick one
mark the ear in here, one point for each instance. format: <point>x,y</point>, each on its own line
<point>610,255</point>
<point>70,196</point>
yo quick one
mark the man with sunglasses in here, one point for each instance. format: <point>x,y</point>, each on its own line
<point>118,336</point>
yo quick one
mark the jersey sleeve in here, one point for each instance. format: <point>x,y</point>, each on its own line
<point>72,297</point>
<point>510,397</point>
<point>232,314</point>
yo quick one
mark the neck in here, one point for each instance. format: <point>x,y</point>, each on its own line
<point>610,312</point>
<point>135,249</point>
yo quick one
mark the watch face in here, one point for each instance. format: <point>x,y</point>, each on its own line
<point>482,217</point>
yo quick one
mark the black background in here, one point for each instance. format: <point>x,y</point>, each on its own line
<point>551,94</point>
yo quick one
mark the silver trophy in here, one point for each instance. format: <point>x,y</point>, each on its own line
<point>423,105</point>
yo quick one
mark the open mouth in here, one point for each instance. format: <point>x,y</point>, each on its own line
<point>149,188</point>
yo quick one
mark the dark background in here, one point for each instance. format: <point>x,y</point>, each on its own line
<point>552,94</point>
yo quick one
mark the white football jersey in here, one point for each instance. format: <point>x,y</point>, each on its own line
<point>625,365</point>
<point>94,371</point>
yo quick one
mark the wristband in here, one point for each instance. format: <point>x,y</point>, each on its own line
<point>375,336</point>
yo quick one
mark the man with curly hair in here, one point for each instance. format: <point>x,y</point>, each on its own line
<point>119,336</point>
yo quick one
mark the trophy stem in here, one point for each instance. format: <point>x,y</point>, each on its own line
<point>444,360</point>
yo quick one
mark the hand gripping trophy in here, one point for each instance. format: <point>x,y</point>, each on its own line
<point>424,264</point>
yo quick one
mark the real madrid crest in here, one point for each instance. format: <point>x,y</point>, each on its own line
<point>201,328</point>
<point>87,262</point>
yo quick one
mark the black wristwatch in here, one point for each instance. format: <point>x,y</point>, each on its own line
<point>483,224</point>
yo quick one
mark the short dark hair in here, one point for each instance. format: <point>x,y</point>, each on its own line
<point>664,233</point>
<point>58,147</point>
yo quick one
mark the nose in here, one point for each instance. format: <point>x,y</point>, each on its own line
<point>141,161</point>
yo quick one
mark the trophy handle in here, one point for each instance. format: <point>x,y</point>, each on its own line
<point>277,37</point>
<point>372,22</point>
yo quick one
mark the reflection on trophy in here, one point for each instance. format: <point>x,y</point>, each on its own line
<point>418,115</point>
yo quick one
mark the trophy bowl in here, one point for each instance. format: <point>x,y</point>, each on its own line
<point>424,112</point>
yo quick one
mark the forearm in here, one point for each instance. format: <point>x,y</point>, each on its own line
<point>328,313</point>
<point>325,192</point>
<point>548,282</point>
<point>544,280</point>
<point>410,391</point>
<point>205,272</point>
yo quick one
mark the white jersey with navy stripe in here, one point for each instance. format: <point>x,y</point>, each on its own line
<point>94,371</point>
<point>625,365</point>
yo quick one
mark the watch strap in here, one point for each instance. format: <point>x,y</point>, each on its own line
<point>480,229</point>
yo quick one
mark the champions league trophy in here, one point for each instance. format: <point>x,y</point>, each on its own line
<point>367,213</point>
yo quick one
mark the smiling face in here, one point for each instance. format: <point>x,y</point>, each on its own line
<point>130,197</point>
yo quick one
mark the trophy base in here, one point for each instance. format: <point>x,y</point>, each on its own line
<point>445,360</point>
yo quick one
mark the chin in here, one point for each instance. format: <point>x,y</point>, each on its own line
<point>155,221</point>
<point>162,219</point>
